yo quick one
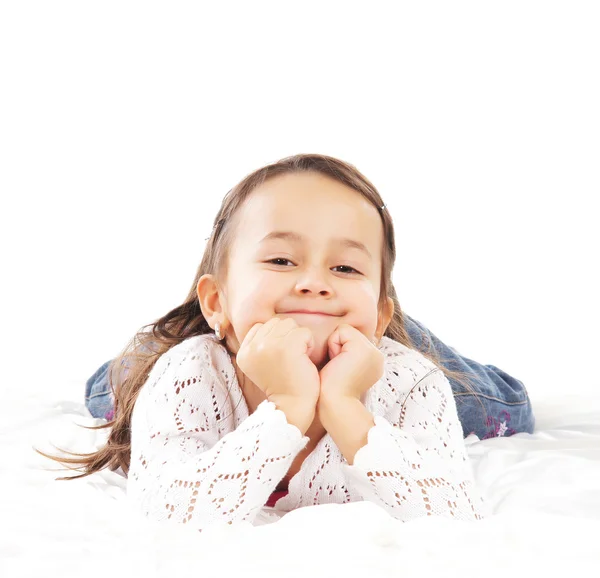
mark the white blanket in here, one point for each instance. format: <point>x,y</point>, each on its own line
<point>544,491</point>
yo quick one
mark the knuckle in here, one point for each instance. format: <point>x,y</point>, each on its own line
<point>261,347</point>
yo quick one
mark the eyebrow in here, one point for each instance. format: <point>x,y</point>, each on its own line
<point>297,238</point>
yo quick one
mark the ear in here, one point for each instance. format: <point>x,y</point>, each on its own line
<point>384,318</point>
<point>209,300</point>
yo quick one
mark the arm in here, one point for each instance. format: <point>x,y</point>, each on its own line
<point>189,461</point>
<point>414,464</point>
<point>348,423</point>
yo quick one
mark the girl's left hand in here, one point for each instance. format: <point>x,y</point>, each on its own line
<point>355,364</point>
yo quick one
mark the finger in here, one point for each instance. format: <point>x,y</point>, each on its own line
<point>251,334</point>
<point>268,327</point>
<point>341,338</point>
<point>302,337</point>
<point>333,344</point>
<point>283,327</point>
<point>259,331</point>
<point>349,333</point>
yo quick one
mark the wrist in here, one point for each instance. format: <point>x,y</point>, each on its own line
<point>331,400</point>
<point>334,403</point>
<point>298,412</point>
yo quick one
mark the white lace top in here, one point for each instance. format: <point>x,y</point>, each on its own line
<point>199,458</point>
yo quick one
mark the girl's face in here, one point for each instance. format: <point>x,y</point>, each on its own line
<point>305,242</point>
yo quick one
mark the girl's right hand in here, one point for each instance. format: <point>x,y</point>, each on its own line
<point>275,356</point>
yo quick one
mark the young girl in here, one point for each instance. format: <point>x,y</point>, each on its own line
<point>287,378</point>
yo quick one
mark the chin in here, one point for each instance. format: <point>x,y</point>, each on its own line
<point>320,356</point>
<point>322,362</point>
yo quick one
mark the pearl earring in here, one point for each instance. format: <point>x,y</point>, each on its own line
<point>218,331</point>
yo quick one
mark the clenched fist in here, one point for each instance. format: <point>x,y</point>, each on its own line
<point>275,356</point>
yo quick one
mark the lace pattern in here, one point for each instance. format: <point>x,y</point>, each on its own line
<point>199,458</point>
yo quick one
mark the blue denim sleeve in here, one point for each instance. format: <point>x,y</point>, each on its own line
<point>498,405</point>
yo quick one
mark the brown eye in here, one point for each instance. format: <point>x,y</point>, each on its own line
<point>278,259</point>
<point>352,269</point>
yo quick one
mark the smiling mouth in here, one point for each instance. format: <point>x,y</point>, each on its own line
<point>308,313</point>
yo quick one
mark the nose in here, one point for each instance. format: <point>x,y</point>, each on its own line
<point>313,281</point>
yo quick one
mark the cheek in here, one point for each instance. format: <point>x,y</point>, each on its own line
<point>258,296</point>
<point>363,312</point>
<point>254,302</point>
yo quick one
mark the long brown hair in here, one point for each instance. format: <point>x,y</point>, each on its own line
<point>129,370</point>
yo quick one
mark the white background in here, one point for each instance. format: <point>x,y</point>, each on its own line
<point>123,124</point>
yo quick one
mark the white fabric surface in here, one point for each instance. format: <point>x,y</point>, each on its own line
<point>544,492</point>
<point>199,458</point>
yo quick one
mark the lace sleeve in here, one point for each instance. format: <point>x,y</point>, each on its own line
<point>416,464</point>
<point>186,466</point>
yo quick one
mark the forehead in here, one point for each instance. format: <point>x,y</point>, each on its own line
<point>313,205</point>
